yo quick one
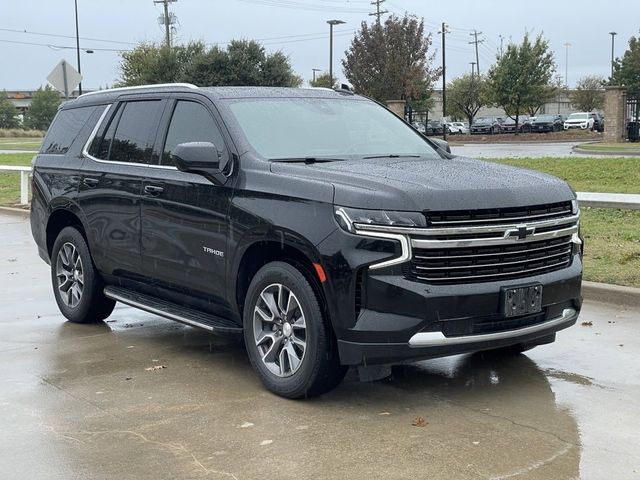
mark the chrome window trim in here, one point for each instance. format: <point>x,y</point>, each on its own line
<point>437,339</point>
<point>94,132</point>
<point>432,232</point>
<point>481,242</point>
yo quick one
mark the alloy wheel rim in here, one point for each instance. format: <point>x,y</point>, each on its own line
<point>70,275</point>
<point>280,330</point>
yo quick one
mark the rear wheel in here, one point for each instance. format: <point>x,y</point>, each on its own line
<point>288,338</point>
<point>77,287</point>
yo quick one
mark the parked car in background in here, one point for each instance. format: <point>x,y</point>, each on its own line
<point>419,126</point>
<point>524,124</point>
<point>434,127</point>
<point>598,121</point>
<point>458,127</point>
<point>486,126</point>
<point>581,120</point>
<point>547,123</point>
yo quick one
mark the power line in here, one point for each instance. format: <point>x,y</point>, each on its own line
<point>43,34</point>
<point>298,6</point>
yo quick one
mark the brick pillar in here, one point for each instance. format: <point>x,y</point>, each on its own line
<point>614,112</point>
<point>397,107</point>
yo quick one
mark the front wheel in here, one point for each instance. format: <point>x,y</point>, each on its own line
<point>288,338</point>
<point>77,286</point>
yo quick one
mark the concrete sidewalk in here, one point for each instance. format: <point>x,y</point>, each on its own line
<point>609,200</point>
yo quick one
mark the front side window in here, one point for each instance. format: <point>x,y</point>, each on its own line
<point>282,128</point>
<point>190,122</point>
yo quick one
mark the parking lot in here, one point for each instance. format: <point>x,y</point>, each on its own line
<point>95,400</point>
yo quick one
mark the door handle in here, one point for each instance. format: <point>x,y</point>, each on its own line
<point>153,190</point>
<point>90,182</point>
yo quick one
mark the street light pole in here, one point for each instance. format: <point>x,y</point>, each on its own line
<point>566,65</point>
<point>331,25</point>
<point>613,47</point>
<point>444,32</point>
<point>78,47</point>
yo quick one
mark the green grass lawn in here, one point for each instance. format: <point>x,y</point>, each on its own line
<point>10,182</point>
<point>20,143</point>
<point>609,174</point>
<point>612,245</point>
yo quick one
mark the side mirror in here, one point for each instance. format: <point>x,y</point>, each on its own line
<point>199,157</point>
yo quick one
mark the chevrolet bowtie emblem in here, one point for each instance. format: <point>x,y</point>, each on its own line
<point>522,231</point>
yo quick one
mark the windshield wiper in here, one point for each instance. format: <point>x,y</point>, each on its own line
<point>307,160</point>
<point>391,155</point>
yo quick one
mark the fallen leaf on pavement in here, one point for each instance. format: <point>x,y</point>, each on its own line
<point>419,422</point>
<point>587,324</point>
<point>384,413</point>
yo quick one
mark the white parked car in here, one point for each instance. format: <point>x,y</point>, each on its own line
<point>457,127</point>
<point>581,120</point>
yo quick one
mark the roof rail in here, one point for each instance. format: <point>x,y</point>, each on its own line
<point>137,87</point>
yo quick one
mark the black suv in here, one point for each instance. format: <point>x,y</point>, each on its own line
<point>486,126</point>
<point>314,222</point>
<point>547,123</point>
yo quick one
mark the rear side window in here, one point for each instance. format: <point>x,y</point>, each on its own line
<point>135,132</point>
<point>65,129</point>
<point>190,122</point>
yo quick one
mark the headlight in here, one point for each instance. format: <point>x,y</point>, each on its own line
<point>346,217</point>
<point>574,207</point>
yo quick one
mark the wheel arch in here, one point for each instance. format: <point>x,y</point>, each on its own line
<point>58,220</point>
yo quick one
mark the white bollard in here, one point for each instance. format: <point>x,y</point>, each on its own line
<point>24,187</point>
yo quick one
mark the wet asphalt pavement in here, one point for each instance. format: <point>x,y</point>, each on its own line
<point>77,402</point>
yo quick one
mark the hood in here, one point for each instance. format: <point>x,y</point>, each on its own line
<point>438,184</point>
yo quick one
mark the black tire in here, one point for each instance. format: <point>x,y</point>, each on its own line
<point>91,305</point>
<point>319,369</point>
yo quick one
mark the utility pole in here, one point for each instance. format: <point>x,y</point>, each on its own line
<point>444,32</point>
<point>332,23</point>
<point>378,13</point>
<point>473,69</point>
<point>78,48</point>
<point>566,66</point>
<point>476,41</point>
<point>613,48</point>
<point>167,20</point>
<point>314,73</point>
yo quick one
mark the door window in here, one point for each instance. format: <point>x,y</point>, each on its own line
<point>190,122</point>
<point>135,132</point>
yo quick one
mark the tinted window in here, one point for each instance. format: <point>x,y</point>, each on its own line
<point>135,132</point>
<point>102,142</point>
<point>190,122</point>
<point>65,129</point>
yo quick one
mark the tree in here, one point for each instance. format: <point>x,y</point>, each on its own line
<point>8,112</point>
<point>43,108</point>
<point>466,96</point>
<point>243,62</point>
<point>589,94</point>
<point>522,78</point>
<point>626,71</point>
<point>323,80</point>
<point>391,61</point>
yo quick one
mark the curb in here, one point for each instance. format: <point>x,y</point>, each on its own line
<point>19,212</point>
<point>579,149</point>
<point>615,295</point>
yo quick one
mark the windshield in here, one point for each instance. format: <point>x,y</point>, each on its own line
<point>545,118</point>
<point>578,116</point>
<point>483,121</point>
<point>283,128</point>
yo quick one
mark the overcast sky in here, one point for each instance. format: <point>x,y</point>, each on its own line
<point>299,29</point>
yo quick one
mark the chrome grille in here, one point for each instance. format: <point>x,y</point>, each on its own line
<point>488,263</point>
<point>485,245</point>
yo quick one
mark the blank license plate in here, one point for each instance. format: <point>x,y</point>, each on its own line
<point>517,301</point>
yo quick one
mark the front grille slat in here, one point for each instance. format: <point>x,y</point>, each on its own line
<point>449,256</point>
